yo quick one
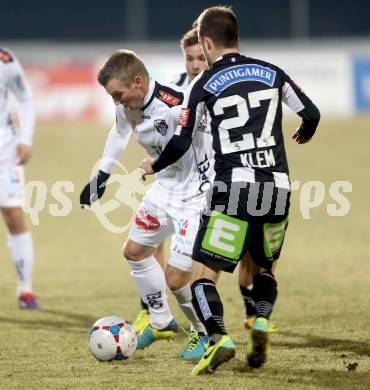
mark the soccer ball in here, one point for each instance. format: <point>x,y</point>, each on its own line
<point>112,338</point>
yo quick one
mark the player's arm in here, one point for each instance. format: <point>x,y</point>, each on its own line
<point>116,144</point>
<point>26,108</point>
<point>301,104</point>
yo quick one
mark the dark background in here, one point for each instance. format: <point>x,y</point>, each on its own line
<point>166,19</point>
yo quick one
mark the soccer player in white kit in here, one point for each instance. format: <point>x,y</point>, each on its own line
<point>173,205</point>
<point>15,151</point>
<point>195,62</point>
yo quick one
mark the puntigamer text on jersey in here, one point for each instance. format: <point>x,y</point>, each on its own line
<point>236,74</point>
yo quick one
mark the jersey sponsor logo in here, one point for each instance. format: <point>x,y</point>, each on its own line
<point>203,170</point>
<point>166,97</point>
<point>183,226</point>
<point>184,116</point>
<point>161,126</point>
<point>146,221</point>
<point>5,57</point>
<point>236,74</point>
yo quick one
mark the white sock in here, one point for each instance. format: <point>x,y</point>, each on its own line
<point>21,251</point>
<point>151,283</point>
<point>183,298</point>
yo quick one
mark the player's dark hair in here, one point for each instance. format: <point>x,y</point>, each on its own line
<point>219,24</point>
<point>122,65</point>
<point>190,38</point>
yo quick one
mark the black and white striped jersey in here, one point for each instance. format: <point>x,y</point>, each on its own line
<point>244,99</point>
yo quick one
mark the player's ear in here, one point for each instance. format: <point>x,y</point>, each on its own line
<point>138,82</point>
<point>208,44</point>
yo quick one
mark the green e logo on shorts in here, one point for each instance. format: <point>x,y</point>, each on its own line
<point>225,235</point>
<point>273,236</point>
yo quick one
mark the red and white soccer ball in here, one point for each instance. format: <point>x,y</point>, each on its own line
<point>112,338</point>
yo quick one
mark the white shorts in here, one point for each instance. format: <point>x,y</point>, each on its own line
<point>11,179</point>
<point>160,217</point>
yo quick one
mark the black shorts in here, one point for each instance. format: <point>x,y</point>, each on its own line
<point>247,216</point>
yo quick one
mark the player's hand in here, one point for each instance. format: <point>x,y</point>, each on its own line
<point>146,165</point>
<point>94,190</point>
<point>297,136</point>
<point>24,153</point>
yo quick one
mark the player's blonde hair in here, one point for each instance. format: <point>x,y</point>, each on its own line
<point>122,65</point>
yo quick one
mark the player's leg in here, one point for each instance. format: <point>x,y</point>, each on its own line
<point>246,289</point>
<point>150,281</point>
<point>247,270</point>
<point>19,240</point>
<point>143,317</point>
<point>20,247</point>
<point>151,227</point>
<point>209,307</point>
<point>265,240</point>
<point>219,246</point>
<point>178,281</point>
<point>178,275</point>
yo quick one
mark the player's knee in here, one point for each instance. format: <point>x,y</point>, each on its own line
<point>13,218</point>
<point>175,278</point>
<point>263,275</point>
<point>131,253</point>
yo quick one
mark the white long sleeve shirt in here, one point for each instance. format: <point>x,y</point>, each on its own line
<point>12,80</point>
<point>154,125</point>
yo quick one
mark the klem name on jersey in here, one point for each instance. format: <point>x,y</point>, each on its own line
<point>259,159</point>
<point>236,74</point>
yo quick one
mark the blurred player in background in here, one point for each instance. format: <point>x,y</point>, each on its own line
<point>195,61</point>
<point>15,151</point>
<point>244,97</point>
<point>173,204</point>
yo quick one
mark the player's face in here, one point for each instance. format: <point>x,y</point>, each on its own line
<point>129,95</point>
<point>195,61</point>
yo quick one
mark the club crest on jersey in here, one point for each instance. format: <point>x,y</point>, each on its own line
<point>167,98</point>
<point>236,74</point>
<point>184,116</point>
<point>161,126</point>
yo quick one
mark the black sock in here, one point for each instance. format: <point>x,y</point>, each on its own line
<point>144,306</point>
<point>264,293</point>
<point>249,303</point>
<point>208,306</point>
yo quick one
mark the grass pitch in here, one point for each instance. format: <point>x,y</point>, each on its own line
<point>324,281</point>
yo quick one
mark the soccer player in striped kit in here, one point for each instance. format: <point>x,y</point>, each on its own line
<point>248,207</point>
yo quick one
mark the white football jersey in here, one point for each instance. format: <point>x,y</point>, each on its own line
<point>154,125</point>
<point>181,80</point>
<point>12,80</point>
